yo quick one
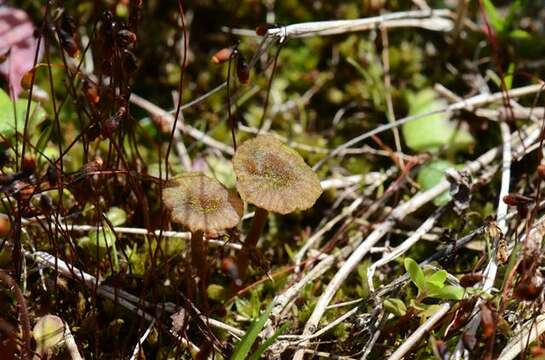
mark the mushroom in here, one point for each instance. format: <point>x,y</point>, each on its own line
<point>201,204</point>
<point>274,178</point>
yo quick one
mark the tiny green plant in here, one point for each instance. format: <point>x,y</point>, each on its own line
<point>245,344</point>
<point>432,285</point>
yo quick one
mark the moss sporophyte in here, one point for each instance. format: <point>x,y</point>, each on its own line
<point>272,177</point>
<point>202,205</point>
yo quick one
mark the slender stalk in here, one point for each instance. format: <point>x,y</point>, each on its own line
<point>200,266</point>
<point>23,311</point>
<point>258,223</point>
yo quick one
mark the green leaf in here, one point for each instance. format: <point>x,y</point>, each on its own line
<point>244,346</point>
<point>519,34</point>
<point>395,306</point>
<point>494,19</point>
<point>44,138</point>
<point>117,216</point>
<point>104,239</point>
<point>508,78</point>
<point>448,292</point>
<point>415,273</point>
<point>265,345</point>
<point>432,174</point>
<point>428,310</point>
<point>12,118</point>
<point>216,292</point>
<point>432,131</point>
<point>437,278</point>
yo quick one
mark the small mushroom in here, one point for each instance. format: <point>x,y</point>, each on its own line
<point>274,178</point>
<point>201,204</point>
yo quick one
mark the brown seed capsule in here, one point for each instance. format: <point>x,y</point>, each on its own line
<point>130,63</point>
<point>223,55</point>
<point>262,29</point>
<point>53,174</point>
<point>111,124</point>
<point>69,44</point>
<point>46,204</point>
<point>516,199</point>
<point>541,171</point>
<point>529,289</point>
<point>229,267</point>
<point>243,70</point>
<point>488,320</point>
<point>68,24</point>
<point>90,89</point>
<point>471,279</point>
<point>125,37</point>
<point>4,56</point>
<point>26,80</point>
<point>68,35</point>
<point>28,165</point>
<point>5,225</point>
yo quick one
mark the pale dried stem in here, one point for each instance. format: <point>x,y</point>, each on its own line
<point>434,20</point>
<point>317,236</point>
<point>70,343</point>
<point>521,339</point>
<point>166,121</point>
<point>492,267</point>
<point>405,245</point>
<point>138,348</point>
<point>420,332</point>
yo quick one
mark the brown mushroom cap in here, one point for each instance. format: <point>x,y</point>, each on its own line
<point>201,203</point>
<point>273,177</point>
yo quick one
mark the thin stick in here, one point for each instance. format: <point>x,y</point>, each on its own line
<point>420,332</point>
<point>528,333</point>
<point>138,347</point>
<point>318,234</point>
<point>331,325</point>
<point>334,27</point>
<point>70,343</point>
<point>405,245</point>
<point>492,267</point>
<point>167,119</point>
<point>141,231</point>
<point>23,310</point>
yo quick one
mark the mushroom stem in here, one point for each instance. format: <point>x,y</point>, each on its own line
<point>198,259</point>
<point>258,223</point>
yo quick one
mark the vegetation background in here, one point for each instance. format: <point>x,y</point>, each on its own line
<point>396,259</point>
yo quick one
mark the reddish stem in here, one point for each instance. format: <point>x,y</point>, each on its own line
<point>258,223</point>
